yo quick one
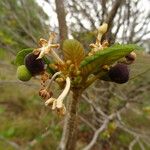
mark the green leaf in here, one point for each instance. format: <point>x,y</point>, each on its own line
<point>106,56</point>
<point>74,51</point>
<point>20,56</point>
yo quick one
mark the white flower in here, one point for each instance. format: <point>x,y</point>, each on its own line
<point>57,104</point>
<point>52,79</point>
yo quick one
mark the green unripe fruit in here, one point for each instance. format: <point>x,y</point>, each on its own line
<point>23,73</point>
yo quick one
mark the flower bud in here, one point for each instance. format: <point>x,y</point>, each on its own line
<point>45,94</point>
<point>78,72</point>
<point>59,80</point>
<point>103,28</point>
<point>68,62</point>
<point>119,73</point>
<point>34,65</point>
<point>72,67</point>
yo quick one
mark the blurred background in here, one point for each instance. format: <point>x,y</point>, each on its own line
<point>25,122</point>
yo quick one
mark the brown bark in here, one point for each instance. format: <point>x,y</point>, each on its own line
<point>110,19</point>
<point>68,141</point>
<point>104,9</point>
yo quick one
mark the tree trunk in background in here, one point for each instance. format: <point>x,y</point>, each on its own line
<point>110,19</point>
<point>60,10</point>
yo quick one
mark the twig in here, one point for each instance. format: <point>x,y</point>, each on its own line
<point>132,131</point>
<point>88,123</point>
<point>35,141</point>
<point>94,106</point>
<point>141,145</point>
<point>131,145</point>
<point>98,131</point>
<point>96,134</point>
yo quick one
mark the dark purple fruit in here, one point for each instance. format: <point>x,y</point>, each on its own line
<point>119,73</point>
<point>34,65</point>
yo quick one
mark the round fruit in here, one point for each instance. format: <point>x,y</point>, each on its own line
<point>34,65</point>
<point>119,73</point>
<point>23,73</point>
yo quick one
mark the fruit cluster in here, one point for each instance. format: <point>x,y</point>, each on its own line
<point>32,67</point>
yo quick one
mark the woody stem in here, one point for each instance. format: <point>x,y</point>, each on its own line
<point>68,141</point>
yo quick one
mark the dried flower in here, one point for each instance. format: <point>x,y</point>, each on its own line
<point>47,48</point>
<point>45,94</point>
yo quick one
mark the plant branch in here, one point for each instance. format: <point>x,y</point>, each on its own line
<point>98,131</point>
<point>68,140</point>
